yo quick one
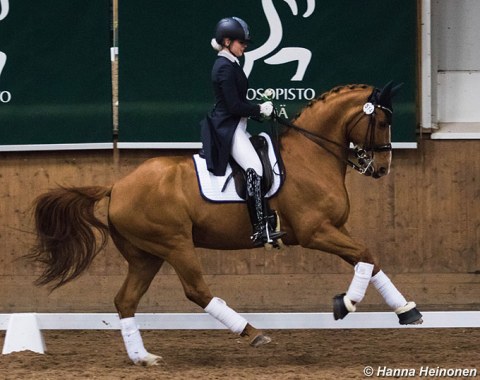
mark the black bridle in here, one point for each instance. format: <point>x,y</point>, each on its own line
<point>364,155</point>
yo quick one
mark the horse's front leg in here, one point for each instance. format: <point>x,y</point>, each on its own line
<point>339,242</point>
<point>406,311</point>
<point>188,269</point>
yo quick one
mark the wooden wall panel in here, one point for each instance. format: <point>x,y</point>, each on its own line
<point>422,222</point>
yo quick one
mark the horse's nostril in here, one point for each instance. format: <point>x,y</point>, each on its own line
<point>382,171</point>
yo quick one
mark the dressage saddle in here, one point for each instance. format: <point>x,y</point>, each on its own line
<point>239,176</point>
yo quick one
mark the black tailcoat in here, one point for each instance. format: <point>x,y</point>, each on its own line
<point>230,87</point>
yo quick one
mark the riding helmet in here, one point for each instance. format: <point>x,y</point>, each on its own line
<point>232,27</point>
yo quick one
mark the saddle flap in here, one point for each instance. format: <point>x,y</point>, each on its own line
<point>260,144</point>
<point>223,189</point>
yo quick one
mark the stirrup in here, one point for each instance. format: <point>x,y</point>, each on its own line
<point>273,236</point>
<point>263,235</point>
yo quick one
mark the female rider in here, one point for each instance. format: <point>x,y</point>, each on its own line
<point>224,129</point>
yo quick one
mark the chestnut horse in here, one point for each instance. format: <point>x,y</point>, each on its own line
<point>157,214</point>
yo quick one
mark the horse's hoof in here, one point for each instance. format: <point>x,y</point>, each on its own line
<point>417,322</point>
<point>260,340</point>
<point>409,315</point>
<point>149,360</point>
<point>342,306</point>
<point>339,308</point>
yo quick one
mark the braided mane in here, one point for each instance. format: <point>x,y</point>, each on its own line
<point>323,97</point>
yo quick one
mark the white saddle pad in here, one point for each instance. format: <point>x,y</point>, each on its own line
<point>211,185</point>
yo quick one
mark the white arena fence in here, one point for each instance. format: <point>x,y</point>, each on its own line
<point>24,329</point>
<point>203,321</point>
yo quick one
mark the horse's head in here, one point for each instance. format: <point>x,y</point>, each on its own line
<point>371,135</point>
<point>357,114</point>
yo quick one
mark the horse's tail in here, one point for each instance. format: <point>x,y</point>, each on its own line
<point>67,231</point>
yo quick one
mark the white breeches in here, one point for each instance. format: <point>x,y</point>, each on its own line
<point>243,151</point>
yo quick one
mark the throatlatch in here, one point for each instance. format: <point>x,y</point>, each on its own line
<point>263,219</point>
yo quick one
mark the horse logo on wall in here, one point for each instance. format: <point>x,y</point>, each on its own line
<point>3,60</point>
<point>286,54</point>
<point>4,7</point>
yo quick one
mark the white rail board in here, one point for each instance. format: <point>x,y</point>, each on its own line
<point>203,321</point>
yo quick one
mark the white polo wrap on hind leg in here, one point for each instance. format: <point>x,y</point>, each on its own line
<point>360,281</point>
<point>132,339</point>
<point>218,309</point>
<point>389,292</point>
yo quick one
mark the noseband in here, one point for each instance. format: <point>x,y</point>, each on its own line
<point>364,155</point>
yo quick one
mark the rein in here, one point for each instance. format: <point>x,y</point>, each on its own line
<point>363,155</point>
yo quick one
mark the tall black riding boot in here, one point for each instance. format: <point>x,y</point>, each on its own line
<point>263,224</point>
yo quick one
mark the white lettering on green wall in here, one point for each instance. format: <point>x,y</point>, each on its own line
<point>5,96</point>
<point>4,8</point>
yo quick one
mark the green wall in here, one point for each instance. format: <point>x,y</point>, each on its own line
<point>56,81</point>
<point>55,85</point>
<point>166,58</point>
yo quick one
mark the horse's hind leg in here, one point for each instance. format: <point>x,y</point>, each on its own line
<point>142,268</point>
<point>188,269</point>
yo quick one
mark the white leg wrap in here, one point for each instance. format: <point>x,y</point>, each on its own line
<point>388,291</point>
<point>218,309</point>
<point>133,340</point>
<point>360,281</point>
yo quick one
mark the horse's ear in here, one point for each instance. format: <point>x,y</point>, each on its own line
<point>385,96</point>
<point>388,86</point>
<point>396,89</point>
<point>387,93</point>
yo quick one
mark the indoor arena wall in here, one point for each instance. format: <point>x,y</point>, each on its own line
<point>421,222</point>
